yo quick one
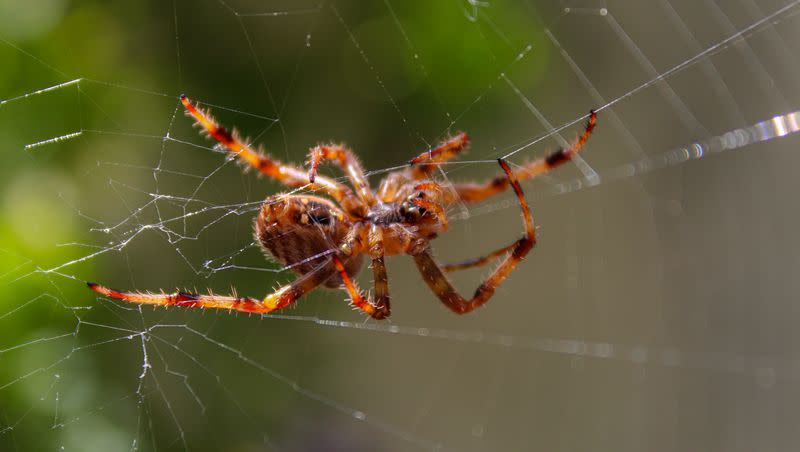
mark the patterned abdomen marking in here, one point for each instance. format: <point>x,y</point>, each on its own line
<point>299,231</point>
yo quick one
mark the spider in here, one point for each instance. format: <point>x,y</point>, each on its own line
<point>326,244</point>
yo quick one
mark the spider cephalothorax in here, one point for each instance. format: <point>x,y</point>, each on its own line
<point>326,242</point>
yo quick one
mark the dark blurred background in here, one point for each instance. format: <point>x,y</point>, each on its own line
<point>658,311</point>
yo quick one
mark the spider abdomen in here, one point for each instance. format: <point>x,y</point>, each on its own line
<point>300,231</point>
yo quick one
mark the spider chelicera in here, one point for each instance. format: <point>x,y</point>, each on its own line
<point>326,244</point>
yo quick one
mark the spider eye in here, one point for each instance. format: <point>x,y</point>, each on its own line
<point>411,212</point>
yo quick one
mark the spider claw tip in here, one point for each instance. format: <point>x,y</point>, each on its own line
<point>98,288</point>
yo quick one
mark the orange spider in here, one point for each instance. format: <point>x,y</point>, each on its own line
<point>325,243</point>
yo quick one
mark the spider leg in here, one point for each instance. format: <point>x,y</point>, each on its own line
<point>390,187</point>
<point>286,174</point>
<point>424,164</point>
<point>478,192</point>
<point>348,162</point>
<point>379,307</point>
<point>477,261</point>
<point>281,298</point>
<point>434,276</point>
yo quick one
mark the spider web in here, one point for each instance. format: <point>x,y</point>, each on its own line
<point>655,313</point>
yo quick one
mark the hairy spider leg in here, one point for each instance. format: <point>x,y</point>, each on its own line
<point>391,185</point>
<point>474,262</point>
<point>348,162</point>
<point>434,276</point>
<point>424,164</point>
<point>286,174</point>
<point>472,192</point>
<point>281,298</point>
<point>477,261</point>
<point>379,307</point>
